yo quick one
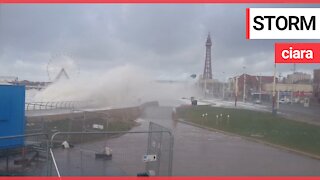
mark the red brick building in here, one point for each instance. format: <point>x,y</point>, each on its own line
<point>316,84</point>
<point>252,83</point>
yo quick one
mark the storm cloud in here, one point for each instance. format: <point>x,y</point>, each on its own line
<point>166,40</point>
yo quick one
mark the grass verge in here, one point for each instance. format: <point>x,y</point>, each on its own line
<point>259,125</point>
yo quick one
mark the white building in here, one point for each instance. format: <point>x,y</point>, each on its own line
<point>298,77</point>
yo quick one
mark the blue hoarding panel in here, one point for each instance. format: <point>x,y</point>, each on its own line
<point>12,121</point>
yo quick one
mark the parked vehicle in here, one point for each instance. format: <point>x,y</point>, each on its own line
<point>282,101</point>
<point>257,101</point>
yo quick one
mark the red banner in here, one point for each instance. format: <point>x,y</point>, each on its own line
<point>303,53</point>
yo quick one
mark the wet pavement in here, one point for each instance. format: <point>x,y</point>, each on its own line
<point>82,162</point>
<point>127,153</point>
<point>205,153</point>
<point>197,152</point>
<point>300,113</point>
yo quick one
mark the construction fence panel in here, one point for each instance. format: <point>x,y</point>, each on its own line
<point>111,153</point>
<point>30,158</point>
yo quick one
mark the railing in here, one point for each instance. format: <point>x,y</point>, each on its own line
<point>125,155</point>
<point>55,163</point>
<point>29,106</point>
<point>159,143</point>
<point>19,146</point>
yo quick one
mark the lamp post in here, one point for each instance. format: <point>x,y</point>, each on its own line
<point>292,90</point>
<point>244,84</point>
<point>223,86</point>
<point>205,88</point>
<point>188,82</point>
<point>260,89</point>
<point>274,110</point>
<point>259,79</point>
<point>236,92</point>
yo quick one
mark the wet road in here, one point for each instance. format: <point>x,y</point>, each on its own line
<point>206,153</point>
<point>293,111</point>
<point>299,112</point>
<point>197,152</point>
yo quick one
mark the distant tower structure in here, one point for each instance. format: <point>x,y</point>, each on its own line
<point>207,72</point>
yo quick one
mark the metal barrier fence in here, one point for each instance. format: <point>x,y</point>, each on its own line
<point>86,155</point>
<point>36,126</point>
<point>160,144</point>
<point>131,152</point>
<point>50,124</point>
<point>51,105</point>
<point>25,155</point>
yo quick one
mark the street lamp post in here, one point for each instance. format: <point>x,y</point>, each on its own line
<point>274,110</point>
<point>244,84</point>
<point>260,88</point>
<point>223,86</point>
<point>292,90</point>
<point>205,88</point>
<point>236,92</point>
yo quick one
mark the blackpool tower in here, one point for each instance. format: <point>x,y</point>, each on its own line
<point>207,72</point>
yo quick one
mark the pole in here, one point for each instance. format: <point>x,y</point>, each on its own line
<point>223,90</point>
<point>212,89</point>
<point>244,84</point>
<point>236,92</point>
<point>292,89</point>
<point>260,89</point>
<point>274,111</point>
<point>223,86</point>
<point>205,87</point>
<point>278,96</point>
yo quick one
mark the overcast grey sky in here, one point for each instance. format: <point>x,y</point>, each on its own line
<point>169,40</point>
